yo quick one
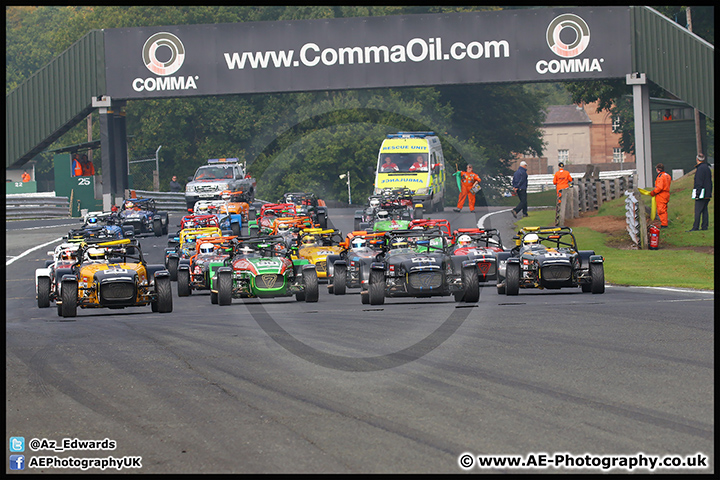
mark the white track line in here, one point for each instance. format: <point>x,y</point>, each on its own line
<point>57,240</point>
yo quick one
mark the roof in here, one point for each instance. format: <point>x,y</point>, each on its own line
<point>566,114</point>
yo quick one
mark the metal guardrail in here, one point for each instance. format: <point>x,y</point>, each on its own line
<point>165,201</point>
<point>25,206</point>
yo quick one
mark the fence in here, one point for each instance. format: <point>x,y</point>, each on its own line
<point>165,201</point>
<point>589,194</point>
<point>42,205</point>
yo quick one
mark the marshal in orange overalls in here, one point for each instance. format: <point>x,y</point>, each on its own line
<point>467,180</point>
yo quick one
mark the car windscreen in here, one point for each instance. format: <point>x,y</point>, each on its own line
<point>214,173</point>
<point>405,162</point>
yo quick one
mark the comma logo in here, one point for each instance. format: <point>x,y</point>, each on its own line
<point>569,25</point>
<point>150,50</point>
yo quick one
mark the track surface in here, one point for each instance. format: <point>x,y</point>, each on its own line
<point>278,386</point>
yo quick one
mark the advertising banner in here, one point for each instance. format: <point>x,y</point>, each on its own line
<point>524,45</point>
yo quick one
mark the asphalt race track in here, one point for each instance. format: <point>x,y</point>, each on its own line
<point>562,380</point>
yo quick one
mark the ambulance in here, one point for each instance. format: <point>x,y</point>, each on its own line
<point>413,160</point>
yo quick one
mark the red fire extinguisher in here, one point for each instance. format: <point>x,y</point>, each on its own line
<point>654,234</point>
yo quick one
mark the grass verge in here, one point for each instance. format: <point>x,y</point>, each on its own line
<point>684,260</point>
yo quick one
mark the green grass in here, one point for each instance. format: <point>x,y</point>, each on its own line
<point>683,259</point>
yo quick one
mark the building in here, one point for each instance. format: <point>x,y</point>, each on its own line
<point>578,136</point>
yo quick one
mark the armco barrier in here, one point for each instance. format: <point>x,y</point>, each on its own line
<point>165,201</point>
<point>25,206</point>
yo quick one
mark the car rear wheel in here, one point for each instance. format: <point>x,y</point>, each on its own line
<point>157,227</point>
<point>512,279</point>
<point>236,229</point>
<point>224,288</point>
<point>364,297</point>
<point>183,283</point>
<point>69,299</point>
<point>43,293</point>
<point>471,284</point>
<point>310,284</point>
<point>163,289</point>
<point>597,278</point>
<point>340,279</point>
<point>376,289</point>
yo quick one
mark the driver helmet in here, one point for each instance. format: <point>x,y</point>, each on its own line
<point>283,227</point>
<point>464,240</point>
<point>358,243</point>
<point>246,250</point>
<point>206,248</point>
<point>92,220</point>
<point>374,202</point>
<point>383,215</point>
<point>308,240</point>
<point>68,253</point>
<point>95,254</point>
<point>530,239</point>
<point>129,204</point>
<point>201,208</point>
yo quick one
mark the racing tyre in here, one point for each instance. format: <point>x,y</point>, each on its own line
<point>364,297</point>
<point>157,227</point>
<point>163,289</point>
<point>310,282</point>
<point>340,279</point>
<point>597,278</point>
<point>172,267</point>
<point>471,283</point>
<point>183,283</point>
<point>43,293</point>
<point>418,213</point>
<point>69,299</point>
<point>512,279</point>
<point>322,220</point>
<point>236,229</point>
<point>224,288</point>
<point>376,289</point>
<point>501,288</point>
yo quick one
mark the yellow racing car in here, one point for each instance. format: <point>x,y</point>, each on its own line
<point>315,244</point>
<point>114,275</point>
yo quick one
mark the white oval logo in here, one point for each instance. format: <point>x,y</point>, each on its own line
<point>577,26</point>
<point>177,53</point>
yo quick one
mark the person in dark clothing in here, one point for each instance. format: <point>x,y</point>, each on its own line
<point>174,185</point>
<point>702,191</point>
<point>519,184</point>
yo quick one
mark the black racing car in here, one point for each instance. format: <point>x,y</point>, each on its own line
<point>417,263</point>
<point>548,257</point>
<point>143,216</point>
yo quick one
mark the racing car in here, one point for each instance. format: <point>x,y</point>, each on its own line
<point>264,224</point>
<point>351,267</point>
<point>482,246</point>
<point>180,250</point>
<point>416,263</point>
<point>230,222</point>
<point>143,216</point>
<point>47,279</point>
<point>195,273</point>
<point>548,257</point>
<point>109,275</point>
<point>262,267</point>
<point>315,244</point>
<point>307,204</point>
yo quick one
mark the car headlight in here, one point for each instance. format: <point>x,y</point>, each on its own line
<point>422,191</point>
<point>189,188</point>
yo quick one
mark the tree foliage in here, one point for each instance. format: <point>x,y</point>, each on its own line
<point>291,141</point>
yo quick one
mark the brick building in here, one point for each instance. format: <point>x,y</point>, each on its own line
<point>578,136</point>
